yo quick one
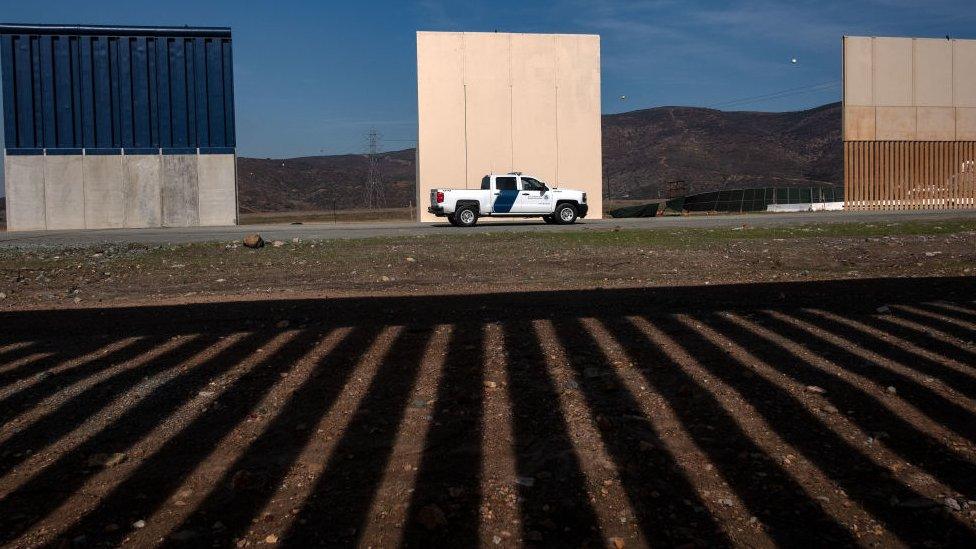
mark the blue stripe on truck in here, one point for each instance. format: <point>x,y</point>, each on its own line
<point>504,201</point>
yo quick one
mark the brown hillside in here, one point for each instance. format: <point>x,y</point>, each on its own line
<point>642,150</point>
<point>711,149</point>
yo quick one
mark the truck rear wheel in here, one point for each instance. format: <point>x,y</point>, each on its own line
<point>565,214</point>
<point>452,220</point>
<point>466,216</point>
<point>549,219</point>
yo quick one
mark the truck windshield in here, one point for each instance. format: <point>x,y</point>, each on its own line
<point>486,183</point>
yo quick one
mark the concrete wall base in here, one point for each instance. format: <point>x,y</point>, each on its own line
<point>47,192</point>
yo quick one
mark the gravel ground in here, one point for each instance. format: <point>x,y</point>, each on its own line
<point>748,387</point>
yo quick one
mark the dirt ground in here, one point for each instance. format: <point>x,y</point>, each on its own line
<point>747,387</point>
<point>482,263</point>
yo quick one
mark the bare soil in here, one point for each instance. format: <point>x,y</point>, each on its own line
<point>789,387</point>
<point>482,263</point>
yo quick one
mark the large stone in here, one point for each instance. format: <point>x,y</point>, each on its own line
<point>253,241</point>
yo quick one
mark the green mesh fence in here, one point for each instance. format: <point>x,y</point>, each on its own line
<point>757,200</point>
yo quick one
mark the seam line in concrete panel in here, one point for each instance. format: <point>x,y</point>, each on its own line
<point>84,194</point>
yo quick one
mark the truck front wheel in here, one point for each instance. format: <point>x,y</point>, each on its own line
<point>466,216</point>
<point>549,219</point>
<point>565,214</point>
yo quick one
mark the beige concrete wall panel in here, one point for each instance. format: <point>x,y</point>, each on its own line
<point>933,73</point>
<point>966,124</point>
<point>494,102</point>
<point>895,123</point>
<point>64,192</point>
<point>218,189</point>
<point>578,116</point>
<point>858,82</point>
<point>142,186</point>
<point>936,124</point>
<point>859,123</point>
<point>180,194</point>
<point>24,180</point>
<point>534,105</point>
<point>964,73</point>
<point>440,112</point>
<point>104,195</point>
<point>486,58</point>
<point>489,135</point>
<point>487,73</point>
<point>893,82</point>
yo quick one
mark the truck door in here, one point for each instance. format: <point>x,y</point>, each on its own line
<point>534,197</point>
<point>505,195</point>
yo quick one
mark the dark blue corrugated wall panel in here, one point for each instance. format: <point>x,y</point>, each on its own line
<point>147,89</point>
<point>164,116</point>
<point>140,94</point>
<point>87,94</point>
<point>178,97</point>
<point>36,92</point>
<point>7,66</point>
<point>48,107</point>
<point>127,112</point>
<point>63,94</point>
<point>200,79</point>
<point>229,130</point>
<point>102,78</point>
<point>215,94</point>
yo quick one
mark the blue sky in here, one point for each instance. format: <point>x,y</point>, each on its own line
<point>313,77</point>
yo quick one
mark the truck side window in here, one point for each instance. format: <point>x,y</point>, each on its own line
<point>529,184</point>
<point>486,183</point>
<point>505,184</point>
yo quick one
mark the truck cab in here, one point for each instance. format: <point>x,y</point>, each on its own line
<point>509,195</point>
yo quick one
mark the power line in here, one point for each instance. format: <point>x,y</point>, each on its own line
<point>778,94</point>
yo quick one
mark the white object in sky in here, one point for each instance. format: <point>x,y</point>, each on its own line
<point>793,60</point>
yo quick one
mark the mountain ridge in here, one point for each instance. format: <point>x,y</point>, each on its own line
<point>643,150</point>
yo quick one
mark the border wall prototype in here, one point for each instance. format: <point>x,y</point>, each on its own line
<point>909,123</point>
<point>500,102</point>
<point>110,127</point>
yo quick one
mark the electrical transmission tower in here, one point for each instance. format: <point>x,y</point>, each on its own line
<point>373,189</point>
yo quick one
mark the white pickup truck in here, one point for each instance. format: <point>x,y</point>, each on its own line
<point>508,195</point>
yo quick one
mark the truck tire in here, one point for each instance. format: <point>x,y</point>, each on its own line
<point>466,216</point>
<point>452,220</point>
<point>565,214</point>
<point>549,219</point>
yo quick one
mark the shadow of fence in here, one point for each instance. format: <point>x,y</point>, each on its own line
<point>790,413</point>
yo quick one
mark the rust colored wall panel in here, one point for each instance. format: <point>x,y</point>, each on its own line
<point>897,175</point>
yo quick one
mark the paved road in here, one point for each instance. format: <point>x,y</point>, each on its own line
<point>324,231</point>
